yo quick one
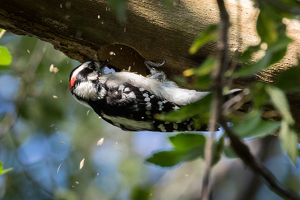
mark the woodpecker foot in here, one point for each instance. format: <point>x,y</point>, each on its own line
<point>155,74</point>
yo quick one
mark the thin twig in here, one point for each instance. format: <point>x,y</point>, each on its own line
<point>206,186</point>
<point>217,92</point>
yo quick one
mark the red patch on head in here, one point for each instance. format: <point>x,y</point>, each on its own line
<point>72,81</point>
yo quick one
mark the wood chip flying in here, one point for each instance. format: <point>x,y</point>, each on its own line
<point>81,163</point>
<point>58,168</point>
<point>100,142</point>
<point>112,53</point>
<point>53,69</point>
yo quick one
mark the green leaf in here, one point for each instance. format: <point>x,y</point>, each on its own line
<point>180,80</point>
<point>255,127</point>
<point>140,193</point>
<point>289,140</point>
<point>246,55</point>
<point>277,56</point>
<point>279,48</point>
<point>210,34</point>
<point>166,158</point>
<point>200,107</point>
<point>290,3</point>
<point>266,27</point>
<point>289,80</point>
<point>203,73</point>
<point>281,44</point>
<point>246,126</point>
<point>275,52</point>
<point>184,142</point>
<point>256,67</point>
<point>271,31</point>
<point>259,95</point>
<point>262,129</point>
<point>174,157</point>
<point>3,171</point>
<point>279,9</point>
<point>203,82</point>
<point>5,57</point>
<point>280,102</point>
<point>205,68</point>
<point>229,152</point>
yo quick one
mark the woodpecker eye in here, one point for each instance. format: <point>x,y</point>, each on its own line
<point>92,66</point>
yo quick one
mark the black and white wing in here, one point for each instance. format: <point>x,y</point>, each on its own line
<point>133,108</point>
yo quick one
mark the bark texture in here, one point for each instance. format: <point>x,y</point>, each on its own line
<point>88,30</point>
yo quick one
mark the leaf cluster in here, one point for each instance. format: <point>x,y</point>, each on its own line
<point>186,147</point>
<point>264,110</point>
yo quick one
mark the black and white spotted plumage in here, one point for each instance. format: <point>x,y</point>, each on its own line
<point>130,101</point>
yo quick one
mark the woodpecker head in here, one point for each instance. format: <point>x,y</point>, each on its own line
<point>84,80</point>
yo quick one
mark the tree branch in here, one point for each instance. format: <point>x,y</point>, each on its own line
<point>256,165</point>
<point>239,147</point>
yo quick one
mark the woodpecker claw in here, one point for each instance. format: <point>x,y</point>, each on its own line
<point>149,64</point>
<point>159,75</point>
<point>100,66</point>
<point>104,63</point>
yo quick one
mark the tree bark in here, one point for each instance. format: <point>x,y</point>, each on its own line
<point>88,30</point>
